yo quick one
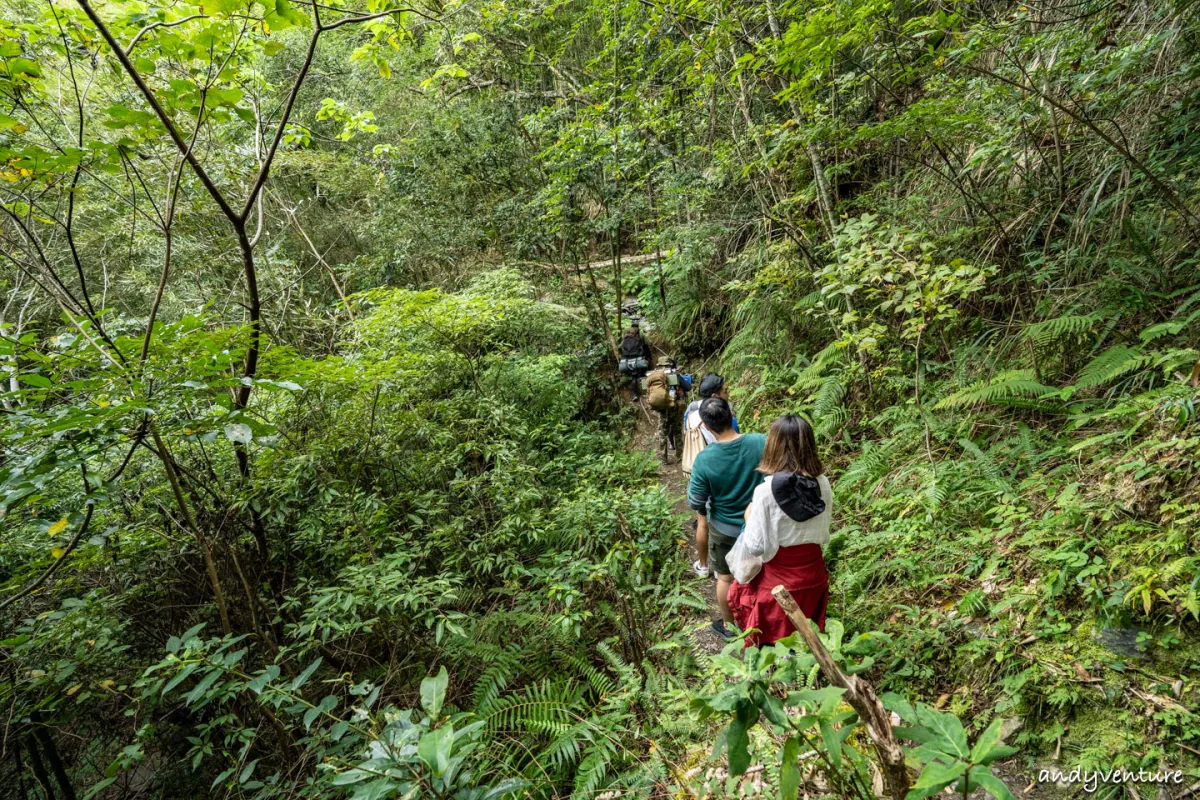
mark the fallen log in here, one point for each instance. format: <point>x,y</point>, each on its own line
<point>859,694</point>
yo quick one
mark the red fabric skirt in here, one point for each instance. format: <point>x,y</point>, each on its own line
<point>801,570</point>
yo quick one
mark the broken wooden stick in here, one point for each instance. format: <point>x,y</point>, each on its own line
<point>859,694</point>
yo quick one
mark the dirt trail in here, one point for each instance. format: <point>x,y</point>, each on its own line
<point>675,484</point>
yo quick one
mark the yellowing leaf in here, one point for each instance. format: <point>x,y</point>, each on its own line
<point>58,527</point>
<point>74,689</point>
<point>57,552</point>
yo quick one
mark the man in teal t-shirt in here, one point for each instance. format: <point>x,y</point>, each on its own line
<point>724,476</point>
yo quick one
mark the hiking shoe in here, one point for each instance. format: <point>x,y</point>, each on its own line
<point>703,572</point>
<point>719,628</point>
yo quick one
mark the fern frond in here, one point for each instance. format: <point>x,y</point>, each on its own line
<point>565,748</point>
<point>593,770</point>
<point>543,707</point>
<point>1005,387</point>
<point>933,489</point>
<point>986,463</point>
<point>1049,330</point>
<point>1114,362</point>
<point>600,683</point>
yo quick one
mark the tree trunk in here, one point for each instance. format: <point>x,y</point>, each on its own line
<point>56,765</point>
<point>39,769</point>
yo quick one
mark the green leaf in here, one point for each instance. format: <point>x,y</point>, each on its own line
<point>100,787</point>
<point>434,749</point>
<point>986,741</point>
<point>326,705</point>
<point>349,777</point>
<point>303,677</point>
<point>260,681</point>
<point>247,771</point>
<point>737,743</point>
<point>198,691</point>
<point>225,7</point>
<point>12,124</point>
<point>239,432</point>
<point>181,677</point>
<point>433,693</point>
<point>996,753</point>
<point>222,777</point>
<point>192,632</point>
<point>981,776</point>
<point>35,380</point>
<point>283,16</point>
<point>22,68</point>
<point>729,699</point>
<point>772,709</point>
<point>935,777</point>
<point>504,787</point>
<point>948,732</point>
<point>225,97</point>
<point>381,788</point>
<point>789,770</point>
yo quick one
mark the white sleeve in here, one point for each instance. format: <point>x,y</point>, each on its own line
<point>745,559</point>
<point>770,531</point>
<point>761,537</point>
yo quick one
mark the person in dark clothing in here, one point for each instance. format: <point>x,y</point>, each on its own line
<point>635,358</point>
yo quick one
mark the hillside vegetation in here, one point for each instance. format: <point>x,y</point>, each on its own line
<point>316,480</point>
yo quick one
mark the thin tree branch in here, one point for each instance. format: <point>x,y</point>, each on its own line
<point>138,36</point>
<point>159,111</point>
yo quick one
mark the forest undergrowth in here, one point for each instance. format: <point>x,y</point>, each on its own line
<point>315,479</point>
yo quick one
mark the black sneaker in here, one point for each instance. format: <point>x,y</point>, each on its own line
<point>719,628</point>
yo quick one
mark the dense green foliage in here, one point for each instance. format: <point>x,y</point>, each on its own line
<point>305,324</point>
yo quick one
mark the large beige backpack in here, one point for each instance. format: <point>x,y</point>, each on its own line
<point>658,390</point>
<point>693,441</point>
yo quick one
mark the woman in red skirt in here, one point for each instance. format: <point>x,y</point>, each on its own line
<point>787,524</point>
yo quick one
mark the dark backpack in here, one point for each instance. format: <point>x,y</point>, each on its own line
<point>632,347</point>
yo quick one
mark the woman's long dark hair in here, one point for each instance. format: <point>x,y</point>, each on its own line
<point>791,447</point>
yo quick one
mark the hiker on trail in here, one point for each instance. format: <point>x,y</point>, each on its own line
<point>711,385</point>
<point>635,358</point>
<point>666,393</point>
<point>724,476</point>
<point>786,527</point>
<point>695,438</point>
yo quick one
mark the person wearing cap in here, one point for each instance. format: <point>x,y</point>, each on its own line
<point>711,385</point>
<point>670,420</point>
<point>787,525</point>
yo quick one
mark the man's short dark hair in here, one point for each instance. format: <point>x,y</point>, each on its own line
<point>711,384</point>
<point>716,414</point>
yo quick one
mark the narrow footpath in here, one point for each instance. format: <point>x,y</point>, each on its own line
<point>675,484</point>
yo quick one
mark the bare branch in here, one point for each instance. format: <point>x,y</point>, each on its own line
<point>137,37</point>
<point>160,112</point>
